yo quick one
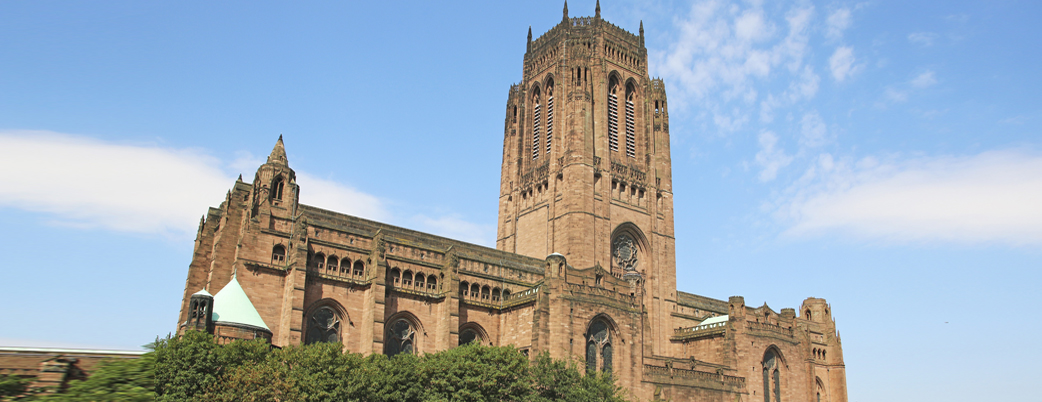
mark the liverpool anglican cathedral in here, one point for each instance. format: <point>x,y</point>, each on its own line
<point>584,266</point>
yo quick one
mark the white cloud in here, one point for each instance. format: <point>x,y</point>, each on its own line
<point>924,39</point>
<point>992,197</point>
<point>813,132</point>
<point>842,63</point>
<point>724,51</point>
<point>328,194</point>
<point>454,227</point>
<point>838,21</point>
<point>894,95</point>
<point>770,158</point>
<point>86,183</point>
<point>924,80</point>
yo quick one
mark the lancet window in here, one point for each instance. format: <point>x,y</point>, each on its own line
<point>631,132</point>
<point>599,347</point>
<point>537,122</point>
<point>771,377</point>
<point>613,115</point>
<point>549,115</point>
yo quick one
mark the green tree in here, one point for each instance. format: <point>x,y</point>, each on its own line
<point>12,386</point>
<point>474,373</point>
<point>114,380</point>
<point>186,367</point>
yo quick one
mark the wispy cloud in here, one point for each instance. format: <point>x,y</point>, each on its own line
<point>724,51</point>
<point>991,197</point>
<point>924,39</point>
<point>454,227</point>
<point>924,79</point>
<point>837,22</point>
<point>770,158</point>
<point>842,63</point>
<point>86,183</point>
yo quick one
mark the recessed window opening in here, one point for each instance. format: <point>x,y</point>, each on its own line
<point>396,276</point>
<point>278,254</point>
<point>549,115</point>
<point>613,115</point>
<point>432,282</point>
<point>277,189</point>
<point>359,268</point>
<point>407,278</point>
<point>332,264</point>
<point>631,132</point>
<point>537,114</point>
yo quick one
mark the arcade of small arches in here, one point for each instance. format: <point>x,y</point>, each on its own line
<point>331,265</point>
<point>413,280</point>
<point>482,293</point>
<point>819,353</point>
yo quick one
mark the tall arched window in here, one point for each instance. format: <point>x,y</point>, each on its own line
<point>420,281</point>
<point>407,278</point>
<point>549,114</point>
<point>464,289</point>
<point>771,377</point>
<point>631,131</point>
<point>359,268</point>
<point>323,326</point>
<point>475,291</point>
<point>320,261</point>
<point>537,122</point>
<point>432,282</point>
<point>401,338</point>
<point>486,293</point>
<point>598,347</point>
<point>613,114</point>
<point>276,193</point>
<point>278,254</point>
<point>396,276</point>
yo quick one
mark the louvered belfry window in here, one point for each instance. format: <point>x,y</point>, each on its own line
<point>549,120</point>
<point>613,119</point>
<point>536,120</point>
<point>631,132</point>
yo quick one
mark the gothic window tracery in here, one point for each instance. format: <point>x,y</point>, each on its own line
<point>599,347</point>
<point>401,338</point>
<point>323,326</point>
<point>624,253</point>
<point>771,377</point>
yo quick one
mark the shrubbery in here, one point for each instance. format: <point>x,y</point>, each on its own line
<point>194,368</point>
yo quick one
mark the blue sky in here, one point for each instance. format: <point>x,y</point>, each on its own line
<point>883,155</point>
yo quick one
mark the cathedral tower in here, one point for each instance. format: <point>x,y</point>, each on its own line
<point>586,163</point>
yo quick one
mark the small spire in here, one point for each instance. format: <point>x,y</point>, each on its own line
<point>528,49</point>
<point>642,32</point>
<point>598,10</point>
<point>240,177</point>
<point>278,154</point>
<point>565,10</point>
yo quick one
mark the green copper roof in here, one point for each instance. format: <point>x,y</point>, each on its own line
<point>710,320</point>
<point>231,305</point>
